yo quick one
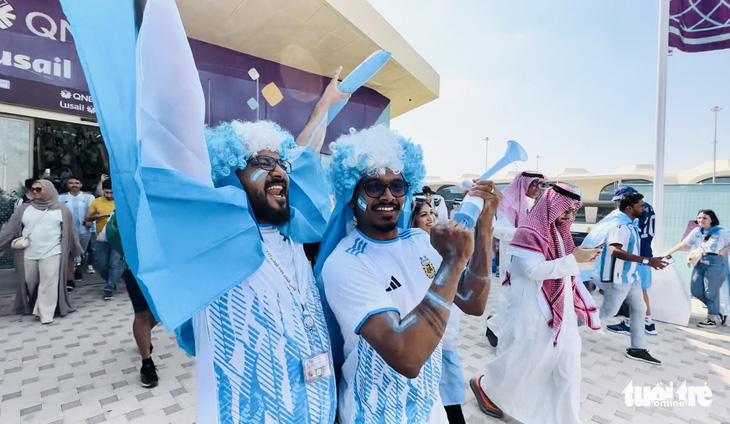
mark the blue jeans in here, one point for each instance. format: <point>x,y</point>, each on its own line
<point>107,263</point>
<point>614,295</point>
<point>707,278</point>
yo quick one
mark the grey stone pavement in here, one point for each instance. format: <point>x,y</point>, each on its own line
<point>84,368</point>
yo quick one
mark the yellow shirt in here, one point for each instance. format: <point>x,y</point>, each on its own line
<point>103,207</point>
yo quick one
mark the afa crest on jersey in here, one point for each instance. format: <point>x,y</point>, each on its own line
<point>428,267</point>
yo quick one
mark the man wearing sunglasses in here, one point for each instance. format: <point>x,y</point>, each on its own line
<point>391,288</point>
<point>518,198</point>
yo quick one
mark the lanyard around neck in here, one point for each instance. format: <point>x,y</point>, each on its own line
<point>291,284</point>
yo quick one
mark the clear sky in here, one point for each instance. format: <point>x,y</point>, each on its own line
<point>572,81</point>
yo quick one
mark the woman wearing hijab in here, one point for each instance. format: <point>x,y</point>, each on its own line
<point>710,270</point>
<point>41,267</point>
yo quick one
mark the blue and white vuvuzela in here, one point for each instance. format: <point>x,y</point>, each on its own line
<point>471,206</point>
<point>357,78</point>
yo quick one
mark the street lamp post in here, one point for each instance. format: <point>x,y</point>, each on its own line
<point>714,145</point>
<point>486,155</point>
<point>537,163</point>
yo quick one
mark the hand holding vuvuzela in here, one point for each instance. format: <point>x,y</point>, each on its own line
<point>472,206</point>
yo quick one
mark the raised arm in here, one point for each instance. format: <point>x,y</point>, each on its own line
<point>312,135</point>
<point>406,344</point>
<point>473,291</point>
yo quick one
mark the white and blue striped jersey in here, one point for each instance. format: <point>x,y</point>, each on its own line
<point>79,206</point>
<point>251,343</point>
<point>613,269</point>
<point>364,277</point>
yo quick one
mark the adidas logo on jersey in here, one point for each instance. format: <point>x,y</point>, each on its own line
<point>394,284</point>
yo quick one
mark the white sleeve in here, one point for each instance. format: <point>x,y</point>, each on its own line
<point>539,269</point>
<point>502,229</point>
<point>691,239</point>
<point>353,292</point>
<point>619,235</point>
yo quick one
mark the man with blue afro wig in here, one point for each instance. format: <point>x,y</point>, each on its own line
<point>388,288</point>
<point>263,350</point>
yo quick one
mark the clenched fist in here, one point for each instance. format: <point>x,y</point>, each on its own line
<point>453,242</point>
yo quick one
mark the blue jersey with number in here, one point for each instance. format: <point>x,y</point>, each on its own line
<point>646,229</point>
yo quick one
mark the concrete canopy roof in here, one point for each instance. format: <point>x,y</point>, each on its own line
<point>316,36</point>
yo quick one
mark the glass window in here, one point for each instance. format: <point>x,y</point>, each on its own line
<point>718,180</point>
<point>70,150</point>
<point>15,163</point>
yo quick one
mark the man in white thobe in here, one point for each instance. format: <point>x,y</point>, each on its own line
<point>535,377</point>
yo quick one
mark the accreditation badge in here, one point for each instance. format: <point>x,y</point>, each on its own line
<point>316,367</point>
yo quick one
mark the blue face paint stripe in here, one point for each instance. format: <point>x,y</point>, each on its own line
<point>258,175</point>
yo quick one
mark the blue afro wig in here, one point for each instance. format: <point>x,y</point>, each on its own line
<point>231,144</point>
<point>371,152</point>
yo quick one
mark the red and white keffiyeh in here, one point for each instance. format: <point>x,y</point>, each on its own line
<point>540,234</point>
<point>514,204</point>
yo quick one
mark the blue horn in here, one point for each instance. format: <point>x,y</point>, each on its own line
<point>471,207</point>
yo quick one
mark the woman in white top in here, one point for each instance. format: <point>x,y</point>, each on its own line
<point>49,226</point>
<point>710,272</point>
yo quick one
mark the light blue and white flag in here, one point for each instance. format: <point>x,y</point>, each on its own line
<point>187,242</point>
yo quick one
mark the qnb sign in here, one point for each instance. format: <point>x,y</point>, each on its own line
<point>41,25</point>
<point>7,17</point>
<point>38,23</point>
<point>44,26</point>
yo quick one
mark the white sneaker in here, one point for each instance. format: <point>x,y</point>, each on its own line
<point>90,269</point>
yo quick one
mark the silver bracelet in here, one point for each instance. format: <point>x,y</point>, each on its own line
<point>484,278</point>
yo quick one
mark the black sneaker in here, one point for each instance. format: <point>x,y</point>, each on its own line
<point>108,295</point>
<point>77,274</point>
<point>70,285</point>
<point>492,338</point>
<point>642,355</point>
<point>723,319</point>
<point>148,375</point>
<point>485,404</point>
<point>707,323</point>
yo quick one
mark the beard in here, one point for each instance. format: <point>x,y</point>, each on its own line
<point>387,227</point>
<point>264,212</point>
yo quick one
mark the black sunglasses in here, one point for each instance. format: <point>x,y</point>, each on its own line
<point>537,183</point>
<point>267,163</point>
<point>376,188</point>
<point>36,189</point>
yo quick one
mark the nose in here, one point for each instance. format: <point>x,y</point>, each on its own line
<point>387,195</point>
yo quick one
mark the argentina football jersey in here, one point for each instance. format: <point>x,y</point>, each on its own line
<point>615,270</point>
<point>256,340</point>
<point>364,277</point>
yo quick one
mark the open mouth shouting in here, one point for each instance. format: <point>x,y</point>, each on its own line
<point>276,189</point>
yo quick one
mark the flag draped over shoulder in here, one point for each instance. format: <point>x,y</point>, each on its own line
<point>186,241</point>
<point>699,25</point>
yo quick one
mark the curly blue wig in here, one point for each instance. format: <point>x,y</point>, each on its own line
<point>371,152</point>
<point>231,144</point>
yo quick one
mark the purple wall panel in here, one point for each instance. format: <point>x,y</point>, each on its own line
<point>54,79</point>
<point>225,80</point>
